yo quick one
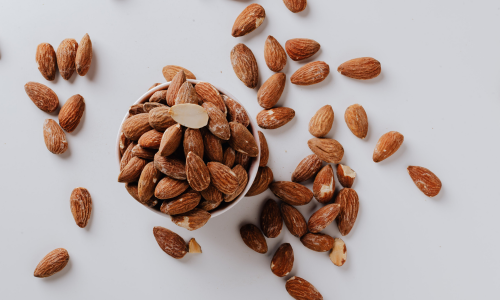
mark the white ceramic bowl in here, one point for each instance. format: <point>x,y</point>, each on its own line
<point>254,162</point>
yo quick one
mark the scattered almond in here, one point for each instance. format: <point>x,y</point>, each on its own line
<point>299,49</point>
<point>270,92</point>
<point>83,56</point>
<point>294,220</point>
<point>245,65</point>
<point>307,168</point>
<point>362,68</point>
<point>328,150</point>
<point>357,120</point>
<point>81,206</point>
<point>323,217</point>
<point>274,54</point>
<point>248,20</point>
<point>66,55</point>
<point>253,238</point>
<point>261,182</point>
<point>318,242</point>
<point>46,61</point>
<point>311,73</point>
<point>295,6</point>
<point>170,242</point>
<point>270,219</point>
<point>387,145</point>
<point>299,288</point>
<point>275,117</point>
<point>282,262</point>
<point>349,206</point>
<point>52,263</point>
<point>42,96</point>
<point>425,180</point>
<point>291,192</point>
<point>322,121</point>
<point>54,136</point>
<point>264,150</point>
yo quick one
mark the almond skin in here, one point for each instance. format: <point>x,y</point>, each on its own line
<point>171,166</point>
<point>425,180</point>
<point>170,140</point>
<point>160,96</point>
<point>242,159</point>
<point>181,204</point>
<point>275,117</point>
<point>318,242</point>
<point>136,109</point>
<point>274,54</point>
<point>193,141</point>
<point>299,288</point>
<point>132,171</point>
<point>81,206</point>
<point>229,157</point>
<point>66,55</point>
<point>187,94</point>
<point>338,255</point>
<point>262,180</point>
<point>197,172</point>
<point>299,49</point>
<point>295,6</point>
<point>349,206</point>
<point>311,73</point>
<point>307,168</point>
<point>169,188</point>
<point>124,142</point>
<point>324,185</point>
<point>387,145</point>
<point>222,177</point>
<point>192,220</point>
<point>294,220</point>
<point>323,217</point>
<point>54,136</point>
<point>253,238</point>
<point>213,147</point>
<point>212,194</point>
<point>270,219</point>
<point>170,242</point>
<point>42,96</point>
<point>174,87</point>
<point>217,122</point>
<point>160,119</point>
<point>357,120</point>
<point>208,93</point>
<point>244,65</point>
<point>282,262</point>
<point>135,126</point>
<point>170,71</point>
<point>270,92</point>
<point>264,150</point>
<point>291,192</point>
<point>52,263</point>
<point>345,175</point>
<point>322,121</point>
<point>127,156</point>
<point>46,61</point>
<point>328,150</point>
<point>149,106</point>
<point>248,20</point>
<point>362,68</point>
<point>236,112</point>
<point>143,153</point>
<point>147,182</point>
<point>151,139</point>
<point>242,177</point>
<point>208,206</point>
<point>84,55</point>
<point>242,140</point>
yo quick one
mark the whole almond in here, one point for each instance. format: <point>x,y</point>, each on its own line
<point>136,109</point>
<point>193,141</point>
<point>328,150</point>
<point>236,112</point>
<point>160,119</point>
<point>242,140</point>
<point>148,181</point>
<point>135,126</point>
<point>151,139</point>
<point>282,262</point>
<point>425,180</point>
<point>170,242</point>
<point>346,175</point>
<point>46,61</point>
<point>192,220</point>
<point>54,136</point>
<point>245,65</point>
<point>242,177</point>
<point>212,147</point>
<point>217,122</point>
<point>349,206</point>
<point>324,185</point>
<point>149,106</point>
<point>295,6</point>
<point>299,49</point>
<point>270,219</point>
<point>275,117</point>
<point>208,93</point>
<point>187,94</point>
<point>170,140</point>
<point>222,177</point>
<point>270,92</point>
<point>229,157</point>
<point>143,153</point>
<point>261,182</point>
<point>318,242</point>
<point>322,121</point>
<point>197,172</point>
<point>181,204</point>
<point>132,171</point>
<point>161,96</point>
<point>170,71</point>
<point>42,96</point>
<point>212,194</point>
<point>124,142</point>
<point>362,68</point>
<point>291,192</point>
<point>307,168</point>
<point>52,263</point>
<point>357,120</point>
<point>127,156</point>
<point>248,20</point>
<point>81,206</point>
<point>242,159</point>
<point>323,217</point>
<point>66,55</point>
<point>84,55</point>
<point>168,188</point>
<point>274,54</point>
<point>174,87</point>
<point>208,206</point>
<point>387,145</point>
<point>338,255</point>
<point>264,150</point>
<point>311,73</point>
<point>253,238</point>
<point>133,190</point>
<point>294,220</point>
<point>299,288</point>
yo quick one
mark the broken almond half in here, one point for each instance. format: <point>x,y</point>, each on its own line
<point>189,115</point>
<point>338,255</point>
<point>194,247</point>
<point>346,175</point>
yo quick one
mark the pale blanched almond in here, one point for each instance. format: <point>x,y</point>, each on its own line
<point>189,115</point>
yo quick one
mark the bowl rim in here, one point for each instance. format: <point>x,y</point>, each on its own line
<point>255,161</point>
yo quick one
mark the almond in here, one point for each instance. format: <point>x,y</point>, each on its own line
<point>328,150</point>
<point>208,206</point>
<point>295,6</point>
<point>338,255</point>
<point>143,153</point>
<point>193,141</point>
<point>187,94</point>
<point>136,109</point>
<point>322,121</point>
<point>213,147</point>
<point>181,204</point>
<point>362,68</point>
<point>245,65</point>
<point>212,194</point>
<point>349,206</point>
<point>282,262</point>
<point>197,172</point>
<point>42,96</point>
<point>222,177</point>
<point>307,168</point>
<point>170,242</point>
<point>270,92</point>
<point>270,219</point>
<point>170,140</point>
<point>127,156</point>
<point>149,106</point>
<point>299,288</point>
<point>248,20</point>
<point>311,73</point>
<point>124,142</point>
<point>275,117</point>
<point>387,145</point>
<point>425,180</point>
<point>84,55</point>
<point>66,55</point>
<point>242,177</point>
<point>299,49</point>
<point>274,54</point>
<point>323,217</point>
<point>194,247</point>
<point>135,126</point>
<point>294,220</point>
<point>324,185</point>
<point>357,120</point>
<point>151,139</point>
<point>189,115</point>
<point>261,182</point>
<point>160,119</point>
<point>242,159</point>
<point>264,150</point>
<point>208,93</point>
<point>133,190</point>
<point>169,188</point>
<point>174,87</point>
<point>253,238</point>
<point>46,61</point>
<point>345,175</point>
<point>242,140</point>
<point>291,192</point>
<point>147,182</point>
<point>132,171</point>
<point>170,71</point>
<point>192,220</point>
<point>217,122</point>
<point>318,242</point>
<point>54,136</point>
<point>160,96</point>
<point>52,263</point>
<point>81,206</point>
<point>229,157</point>
<point>236,112</point>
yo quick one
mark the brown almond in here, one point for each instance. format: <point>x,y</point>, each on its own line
<point>311,73</point>
<point>151,139</point>
<point>192,220</point>
<point>318,242</point>
<point>346,175</point>
<point>282,262</point>
<point>387,145</point>
<point>307,168</point>
<point>170,140</point>
<point>212,194</point>
<point>425,180</point>
<point>217,122</point>
<point>274,54</point>
<point>149,106</point>
<point>261,182</point>
<point>242,177</point>
<point>295,6</point>
<point>170,71</point>
<point>229,157</point>
<point>187,94</point>
<point>181,204</point>
<point>212,147</point>
<point>242,140</point>
<point>46,61</point>
<point>193,141</point>
<point>42,96</point>
<point>328,150</point>
<point>168,188</point>
<point>323,217</point>
<point>322,121</point>
<point>124,142</point>
<point>324,185</point>
<point>299,49</point>
<point>242,159</point>
<point>338,255</point>
<point>253,238</point>
<point>52,263</point>
<point>294,220</point>
<point>299,288</point>
<point>291,192</point>
<point>127,155</point>
<point>174,87</point>
<point>81,206</point>
<point>159,96</point>
<point>208,206</point>
<point>349,206</point>
<point>270,92</point>
<point>160,119</point>
<point>245,65</point>
<point>66,55</point>
<point>222,177</point>
<point>132,171</point>
<point>248,20</point>
<point>236,112</point>
<point>136,109</point>
<point>208,93</point>
<point>84,56</point>
<point>143,153</point>
<point>170,242</point>
<point>275,117</point>
<point>197,172</point>
<point>194,247</point>
<point>54,136</point>
<point>362,68</point>
<point>147,182</point>
<point>357,120</point>
<point>264,150</point>
<point>135,126</point>
<point>270,219</point>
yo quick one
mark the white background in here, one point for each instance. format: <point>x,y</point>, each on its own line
<point>439,87</point>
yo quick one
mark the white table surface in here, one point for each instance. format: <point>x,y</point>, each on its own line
<point>440,87</point>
